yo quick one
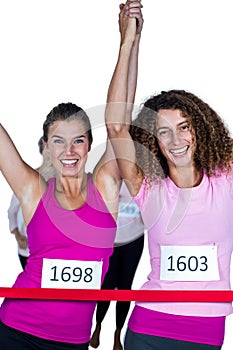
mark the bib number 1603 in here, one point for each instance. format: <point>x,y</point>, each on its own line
<point>189,263</point>
<point>192,263</point>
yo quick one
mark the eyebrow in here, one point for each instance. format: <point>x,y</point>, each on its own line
<point>167,127</point>
<point>76,137</point>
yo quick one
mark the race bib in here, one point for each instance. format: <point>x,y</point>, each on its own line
<point>71,274</point>
<point>128,210</point>
<point>189,263</point>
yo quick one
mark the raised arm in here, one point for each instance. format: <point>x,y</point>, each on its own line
<point>121,95</point>
<point>23,180</point>
<point>133,62</point>
<point>107,176</point>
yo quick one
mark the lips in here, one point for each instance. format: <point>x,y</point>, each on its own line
<point>69,162</point>
<point>179,151</point>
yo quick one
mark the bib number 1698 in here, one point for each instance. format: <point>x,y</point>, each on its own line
<point>71,274</point>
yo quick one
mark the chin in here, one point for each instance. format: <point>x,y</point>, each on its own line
<point>69,173</point>
<point>181,162</point>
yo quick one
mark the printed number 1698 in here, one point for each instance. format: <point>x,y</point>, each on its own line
<point>75,275</point>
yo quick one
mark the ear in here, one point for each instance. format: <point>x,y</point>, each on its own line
<point>46,152</point>
<point>89,148</point>
<point>44,143</point>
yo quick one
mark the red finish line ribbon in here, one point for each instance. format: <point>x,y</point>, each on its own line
<point>121,295</point>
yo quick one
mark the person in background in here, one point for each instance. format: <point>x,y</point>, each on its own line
<point>15,215</point>
<point>17,227</point>
<point>176,158</point>
<point>128,248</point>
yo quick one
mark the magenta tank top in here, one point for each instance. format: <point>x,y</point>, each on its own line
<point>86,234</point>
<point>203,330</point>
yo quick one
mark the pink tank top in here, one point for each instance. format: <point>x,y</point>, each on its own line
<point>86,234</point>
<point>186,226</point>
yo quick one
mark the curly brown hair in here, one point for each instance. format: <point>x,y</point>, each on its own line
<point>214,145</point>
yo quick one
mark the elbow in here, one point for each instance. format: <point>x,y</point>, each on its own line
<point>115,130</point>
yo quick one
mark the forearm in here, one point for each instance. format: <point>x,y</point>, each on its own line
<point>11,164</point>
<point>12,221</point>
<point>117,97</point>
<point>132,78</point>
<point>123,85</point>
<point>21,239</point>
<point>15,231</point>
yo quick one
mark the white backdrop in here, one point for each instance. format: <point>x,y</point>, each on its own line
<point>56,51</point>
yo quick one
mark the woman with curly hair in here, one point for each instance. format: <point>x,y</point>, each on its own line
<point>176,159</point>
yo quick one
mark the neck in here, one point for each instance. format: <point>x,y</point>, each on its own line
<point>185,177</point>
<point>71,192</point>
<point>66,183</point>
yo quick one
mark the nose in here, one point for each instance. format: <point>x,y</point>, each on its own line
<point>176,138</point>
<point>69,149</point>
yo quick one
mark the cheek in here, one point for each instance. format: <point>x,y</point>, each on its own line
<point>84,150</point>
<point>190,138</point>
<point>163,147</point>
<point>192,141</point>
<point>55,152</point>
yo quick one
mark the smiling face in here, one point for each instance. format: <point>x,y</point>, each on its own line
<point>68,146</point>
<point>175,138</point>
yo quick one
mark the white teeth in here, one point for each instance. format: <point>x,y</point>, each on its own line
<point>68,162</point>
<point>179,151</point>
